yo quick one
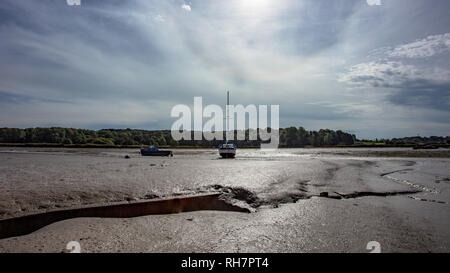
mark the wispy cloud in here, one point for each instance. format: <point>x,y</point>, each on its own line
<point>428,47</point>
<point>186,7</point>
<point>380,74</point>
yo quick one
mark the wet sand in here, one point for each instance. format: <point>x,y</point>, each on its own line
<point>301,200</point>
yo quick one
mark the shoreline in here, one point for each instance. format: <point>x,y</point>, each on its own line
<point>105,146</point>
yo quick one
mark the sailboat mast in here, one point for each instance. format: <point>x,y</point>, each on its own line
<point>227,114</point>
<point>228,149</point>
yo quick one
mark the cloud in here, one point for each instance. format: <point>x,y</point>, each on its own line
<point>186,7</point>
<point>423,93</point>
<point>428,47</point>
<point>408,85</point>
<point>115,64</point>
<point>401,78</point>
<point>159,18</point>
<point>374,2</point>
<point>380,74</point>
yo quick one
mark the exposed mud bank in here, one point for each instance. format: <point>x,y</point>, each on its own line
<point>100,186</point>
<point>27,224</point>
<point>255,201</point>
<point>225,199</point>
<point>369,193</point>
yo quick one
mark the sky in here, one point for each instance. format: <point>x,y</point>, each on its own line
<point>375,68</point>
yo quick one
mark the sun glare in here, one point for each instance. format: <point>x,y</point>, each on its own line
<point>254,7</point>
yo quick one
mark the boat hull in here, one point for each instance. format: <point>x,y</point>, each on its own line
<point>227,153</point>
<point>156,153</point>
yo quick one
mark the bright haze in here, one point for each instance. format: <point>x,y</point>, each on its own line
<point>376,68</point>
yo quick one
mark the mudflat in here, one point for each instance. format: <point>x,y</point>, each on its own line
<point>292,200</point>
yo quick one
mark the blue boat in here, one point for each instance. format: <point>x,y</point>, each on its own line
<point>153,151</point>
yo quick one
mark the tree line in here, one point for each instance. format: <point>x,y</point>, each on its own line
<point>420,140</point>
<point>289,137</point>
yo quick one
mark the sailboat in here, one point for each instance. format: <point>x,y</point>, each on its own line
<point>227,149</point>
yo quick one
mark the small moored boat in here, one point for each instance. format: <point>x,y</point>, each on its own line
<point>154,151</point>
<point>227,150</point>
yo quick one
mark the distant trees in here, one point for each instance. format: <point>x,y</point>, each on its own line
<point>418,140</point>
<point>299,137</point>
<point>289,137</point>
